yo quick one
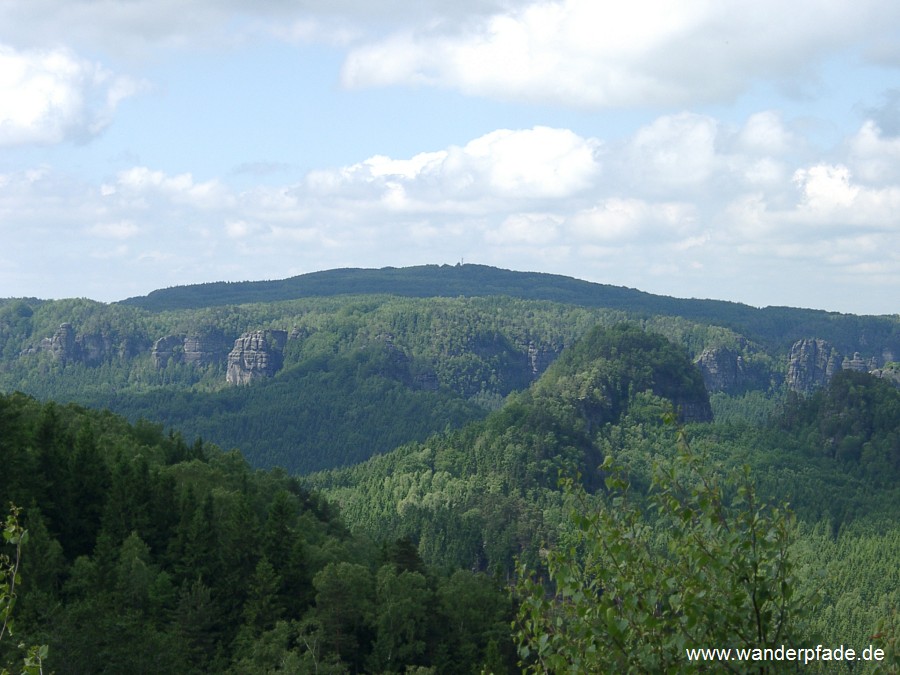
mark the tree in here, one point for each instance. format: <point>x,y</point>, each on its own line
<point>402,602</point>
<point>15,536</point>
<point>700,564</point>
<point>345,609</point>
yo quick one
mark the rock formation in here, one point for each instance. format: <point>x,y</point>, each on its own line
<point>66,346</point>
<point>540,357</point>
<point>812,364</point>
<point>255,356</point>
<point>61,345</point>
<point>193,350</point>
<point>722,369</point>
<point>889,372</point>
<point>165,349</point>
<point>203,350</point>
<point>857,363</point>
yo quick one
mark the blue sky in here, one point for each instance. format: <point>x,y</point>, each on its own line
<point>733,150</point>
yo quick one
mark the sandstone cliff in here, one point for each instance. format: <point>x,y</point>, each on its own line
<point>165,349</point>
<point>722,369</point>
<point>66,346</point>
<point>890,372</point>
<point>540,356</point>
<point>256,355</point>
<point>61,346</point>
<point>812,364</point>
<point>192,350</point>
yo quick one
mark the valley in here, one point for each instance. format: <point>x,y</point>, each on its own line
<point>350,471</point>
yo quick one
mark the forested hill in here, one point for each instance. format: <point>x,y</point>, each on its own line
<point>771,326</point>
<point>150,555</point>
<point>422,281</point>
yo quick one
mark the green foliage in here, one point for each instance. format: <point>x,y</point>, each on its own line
<point>480,496</point>
<point>15,536</point>
<point>149,555</point>
<point>403,600</point>
<point>701,563</point>
<point>447,345</point>
<point>855,421</point>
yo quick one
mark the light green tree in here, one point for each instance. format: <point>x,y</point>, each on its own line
<point>15,536</point>
<point>698,562</point>
<point>401,621</point>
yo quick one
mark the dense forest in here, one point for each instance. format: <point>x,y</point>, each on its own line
<point>147,554</point>
<point>487,496</point>
<point>359,375</point>
<point>406,480</point>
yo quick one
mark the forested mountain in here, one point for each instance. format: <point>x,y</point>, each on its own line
<point>771,326</point>
<point>488,496</point>
<point>436,431</point>
<point>344,377</point>
<point>147,554</point>
<point>480,496</point>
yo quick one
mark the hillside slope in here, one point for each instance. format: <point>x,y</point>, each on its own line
<point>772,326</point>
<point>482,495</point>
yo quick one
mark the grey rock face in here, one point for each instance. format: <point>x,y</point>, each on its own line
<point>890,372</point>
<point>92,349</point>
<point>540,357</point>
<point>857,363</point>
<point>61,345</point>
<point>165,349</point>
<point>812,364</point>
<point>722,369</point>
<point>205,350</point>
<point>255,356</point>
<point>193,350</point>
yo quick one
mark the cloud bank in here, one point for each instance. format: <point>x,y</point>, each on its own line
<point>50,96</point>
<point>563,52</point>
<point>685,205</point>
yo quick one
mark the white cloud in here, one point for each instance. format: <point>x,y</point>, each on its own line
<point>765,134</point>
<point>239,229</point>
<point>563,52</point>
<point>138,28</point>
<point>620,220</point>
<point>875,157</point>
<point>826,187</point>
<point>50,96</point>
<point>530,229</point>
<point>673,153</point>
<point>535,198</point>
<point>645,52</point>
<point>527,165</point>
<point>140,184</point>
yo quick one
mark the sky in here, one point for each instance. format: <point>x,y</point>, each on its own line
<point>744,151</point>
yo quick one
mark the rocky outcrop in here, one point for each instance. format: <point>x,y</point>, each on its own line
<point>734,370</point>
<point>858,364</point>
<point>192,350</point>
<point>166,349</point>
<point>540,357</point>
<point>204,350</point>
<point>66,346</point>
<point>812,364</point>
<point>890,372</point>
<point>722,369</point>
<point>131,346</point>
<point>397,364</point>
<point>93,349</point>
<point>255,356</point>
<point>61,346</point>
